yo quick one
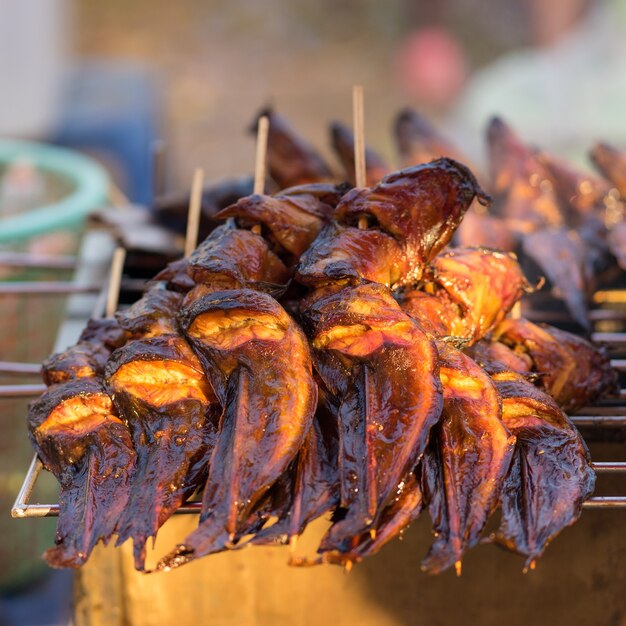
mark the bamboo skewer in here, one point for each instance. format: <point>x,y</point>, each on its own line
<point>115,281</point>
<point>25,369</point>
<point>45,288</point>
<point>195,205</point>
<point>261,155</point>
<point>30,260</point>
<point>358,121</point>
<point>358,125</point>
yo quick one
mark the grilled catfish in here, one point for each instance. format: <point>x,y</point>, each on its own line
<point>382,370</point>
<point>161,391</point>
<point>258,361</point>
<point>466,461</point>
<point>550,475</point>
<point>290,220</point>
<point>410,216</point>
<point>79,437</point>
<point>417,140</point>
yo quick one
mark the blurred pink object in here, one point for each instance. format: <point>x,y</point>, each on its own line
<point>431,66</point>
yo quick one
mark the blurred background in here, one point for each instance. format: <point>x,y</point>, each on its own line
<point>114,78</point>
<point>111,76</point>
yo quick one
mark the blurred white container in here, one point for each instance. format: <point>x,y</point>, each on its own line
<point>33,53</point>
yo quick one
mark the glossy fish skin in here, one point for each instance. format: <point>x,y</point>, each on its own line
<point>88,356</point>
<point>79,438</point>
<point>235,258</point>
<point>522,189</point>
<point>292,223</point>
<point>484,283</point>
<point>572,371</point>
<point>290,159</point>
<point>160,390</point>
<point>382,370</point>
<point>314,481</point>
<point>418,141</point>
<point>436,313</point>
<point>346,252</point>
<point>405,508</point>
<point>175,276</point>
<point>466,460</point>
<point>153,314</point>
<point>259,364</point>
<point>342,140</point>
<point>550,475</point>
<point>562,257</point>
<point>611,163</point>
<point>469,291</point>
<point>413,214</point>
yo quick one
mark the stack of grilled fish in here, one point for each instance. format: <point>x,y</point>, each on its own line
<point>323,353</point>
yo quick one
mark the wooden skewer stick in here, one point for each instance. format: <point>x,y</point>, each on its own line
<point>358,121</point>
<point>260,161</point>
<point>261,154</point>
<point>115,280</point>
<point>193,217</point>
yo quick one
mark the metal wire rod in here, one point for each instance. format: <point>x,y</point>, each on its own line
<point>45,288</point>
<point>21,391</point>
<point>29,260</point>
<point>601,502</point>
<point>9,367</point>
<point>599,420</point>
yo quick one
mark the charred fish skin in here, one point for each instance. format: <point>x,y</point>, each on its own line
<point>291,222</point>
<point>76,432</point>
<point>313,483</point>
<point>550,475</point>
<point>259,364</point>
<point>466,461</point>
<point>361,341</point>
<point>159,388</point>
<point>153,314</point>
<point>88,356</point>
<point>231,258</point>
<point>410,216</point>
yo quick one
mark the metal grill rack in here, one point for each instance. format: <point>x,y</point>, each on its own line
<point>608,414</point>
